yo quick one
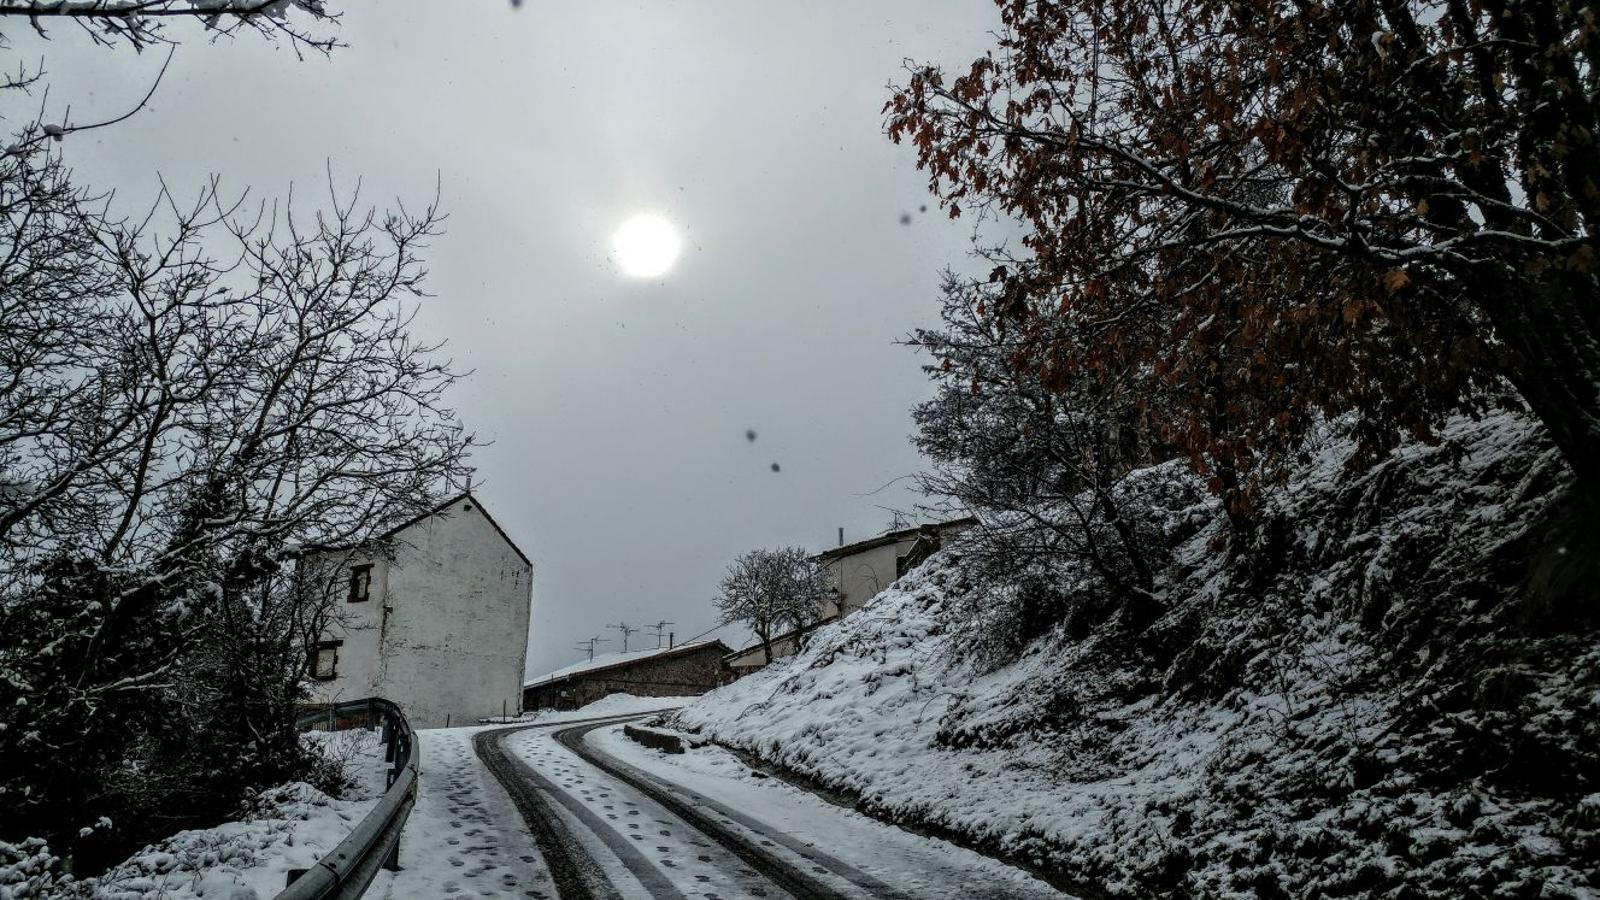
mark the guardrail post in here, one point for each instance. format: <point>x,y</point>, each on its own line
<point>347,870</point>
<point>400,752</point>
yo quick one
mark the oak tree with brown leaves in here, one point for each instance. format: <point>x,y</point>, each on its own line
<point>1282,212</point>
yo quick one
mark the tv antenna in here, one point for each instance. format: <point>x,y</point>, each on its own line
<point>626,630</point>
<point>588,645</point>
<point>659,629</point>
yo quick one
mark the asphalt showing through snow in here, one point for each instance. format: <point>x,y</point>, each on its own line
<point>541,802</point>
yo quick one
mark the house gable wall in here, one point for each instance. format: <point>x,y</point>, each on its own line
<point>445,631</point>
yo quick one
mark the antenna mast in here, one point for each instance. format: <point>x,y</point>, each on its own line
<point>660,631</point>
<point>588,645</point>
<point>626,630</point>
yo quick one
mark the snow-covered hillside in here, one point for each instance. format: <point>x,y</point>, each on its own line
<point>1369,706</point>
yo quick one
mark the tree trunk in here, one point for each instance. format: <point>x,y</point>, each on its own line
<point>1549,333</point>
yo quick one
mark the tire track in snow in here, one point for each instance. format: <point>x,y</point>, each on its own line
<point>576,875</point>
<point>708,816</point>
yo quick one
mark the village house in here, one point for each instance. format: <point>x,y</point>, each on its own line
<point>432,614</point>
<point>863,569</point>
<point>685,670</point>
<point>859,572</point>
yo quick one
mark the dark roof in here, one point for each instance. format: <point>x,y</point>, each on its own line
<point>464,495</point>
<point>892,537</point>
<point>680,650</point>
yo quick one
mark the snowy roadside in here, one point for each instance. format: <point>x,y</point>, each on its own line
<point>289,827</point>
<point>918,865</point>
<point>860,712</point>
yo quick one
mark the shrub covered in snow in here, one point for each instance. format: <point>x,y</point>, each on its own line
<point>287,826</point>
<point>27,870</point>
<point>1372,698</point>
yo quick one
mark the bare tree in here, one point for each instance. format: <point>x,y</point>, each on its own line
<point>1036,457</point>
<point>191,398</point>
<point>139,23</point>
<point>188,399</point>
<point>771,591</point>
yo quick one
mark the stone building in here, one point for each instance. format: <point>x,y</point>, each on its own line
<point>858,571</point>
<point>432,615</point>
<point>685,670</point>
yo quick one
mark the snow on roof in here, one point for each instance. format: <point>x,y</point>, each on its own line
<point>607,660</point>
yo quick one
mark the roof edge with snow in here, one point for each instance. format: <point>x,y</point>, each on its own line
<point>594,667</point>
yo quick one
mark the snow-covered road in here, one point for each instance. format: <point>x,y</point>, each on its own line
<point>569,807</point>
<point>635,822</point>
<point>464,837</point>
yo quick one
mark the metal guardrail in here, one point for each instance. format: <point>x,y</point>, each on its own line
<point>346,871</point>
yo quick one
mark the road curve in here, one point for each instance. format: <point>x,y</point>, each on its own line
<point>715,820</point>
<point>574,872</point>
<point>610,828</point>
<point>788,865</point>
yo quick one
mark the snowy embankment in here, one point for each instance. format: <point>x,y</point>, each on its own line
<point>287,827</point>
<point>1366,711</point>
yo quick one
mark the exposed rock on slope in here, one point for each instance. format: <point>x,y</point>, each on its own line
<point>1368,702</point>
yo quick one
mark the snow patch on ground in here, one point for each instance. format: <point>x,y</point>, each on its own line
<point>464,838</point>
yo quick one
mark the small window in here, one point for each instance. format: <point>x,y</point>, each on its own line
<point>325,667</point>
<point>360,584</point>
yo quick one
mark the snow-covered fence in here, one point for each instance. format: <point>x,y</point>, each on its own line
<point>347,870</point>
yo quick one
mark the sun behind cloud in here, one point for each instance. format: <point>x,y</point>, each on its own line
<point>646,246</point>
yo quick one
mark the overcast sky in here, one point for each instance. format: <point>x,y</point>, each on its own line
<point>617,408</point>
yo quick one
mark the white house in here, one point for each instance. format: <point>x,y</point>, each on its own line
<point>432,615</point>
